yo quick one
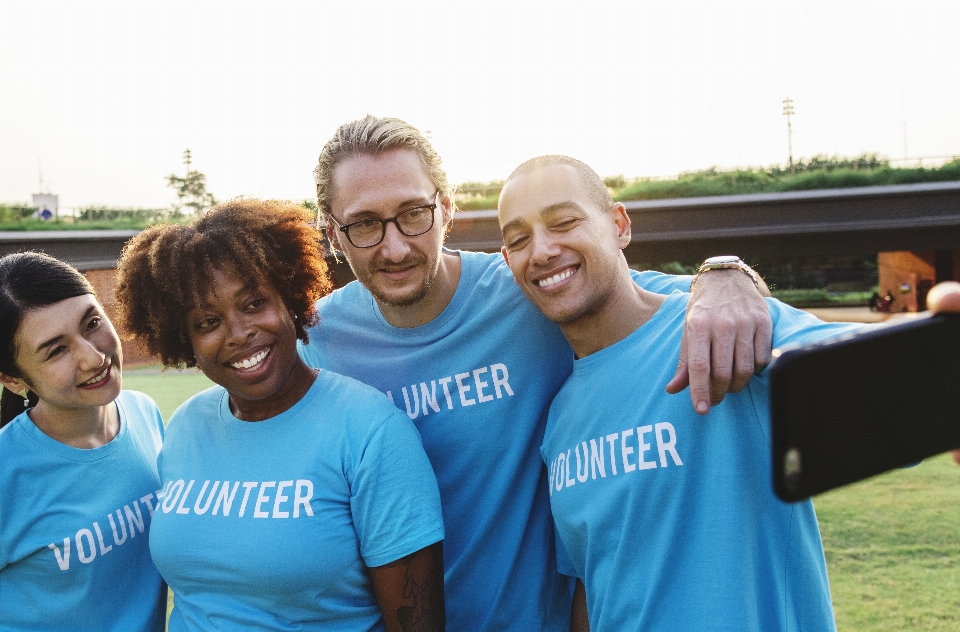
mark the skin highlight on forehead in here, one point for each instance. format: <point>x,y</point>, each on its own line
<point>591,183</point>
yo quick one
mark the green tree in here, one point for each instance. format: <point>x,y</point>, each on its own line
<point>191,190</point>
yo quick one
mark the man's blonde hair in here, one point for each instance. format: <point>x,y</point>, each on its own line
<point>374,135</point>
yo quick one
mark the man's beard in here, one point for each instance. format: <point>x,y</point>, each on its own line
<point>417,295</point>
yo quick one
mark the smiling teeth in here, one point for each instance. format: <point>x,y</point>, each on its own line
<point>97,378</point>
<point>250,362</point>
<point>555,279</point>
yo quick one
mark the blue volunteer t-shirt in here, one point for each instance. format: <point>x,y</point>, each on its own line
<point>74,550</point>
<point>477,382</point>
<point>270,525</point>
<point>669,517</point>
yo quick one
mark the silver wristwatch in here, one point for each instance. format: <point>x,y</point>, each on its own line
<point>724,262</point>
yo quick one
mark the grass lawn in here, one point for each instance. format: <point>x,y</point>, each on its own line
<point>892,543</point>
<point>893,549</point>
<point>168,388</point>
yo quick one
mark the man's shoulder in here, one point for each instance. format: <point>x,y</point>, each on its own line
<point>476,264</point>
<point>352,291</point>
<point>341,391</point>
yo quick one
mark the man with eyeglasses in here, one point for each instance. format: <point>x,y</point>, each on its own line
<point>367,233</point>
<point>449,337</point>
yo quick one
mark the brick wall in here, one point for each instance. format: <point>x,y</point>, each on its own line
<point>104,282</point>
<point>908,276</point>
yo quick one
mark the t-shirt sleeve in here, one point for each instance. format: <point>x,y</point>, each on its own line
<point>661,283</point>
<point>147,408</point>
<point>564,565</point>
<point>394,496</point>
<point>792,327</point>
<point>156,417</point>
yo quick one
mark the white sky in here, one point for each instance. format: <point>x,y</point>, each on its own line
<point>106,95</point>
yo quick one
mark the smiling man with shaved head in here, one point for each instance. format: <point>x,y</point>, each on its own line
<point>667,519</point>
<point>448,336</point>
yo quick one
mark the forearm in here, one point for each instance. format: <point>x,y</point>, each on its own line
<point>410,591</point>
<point>727,333</point>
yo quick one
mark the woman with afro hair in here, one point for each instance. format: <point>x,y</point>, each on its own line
<point>291,497</point>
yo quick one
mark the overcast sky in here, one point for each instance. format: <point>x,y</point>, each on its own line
<point>107,95</point>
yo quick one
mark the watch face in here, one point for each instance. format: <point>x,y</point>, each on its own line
<point>722,259</point>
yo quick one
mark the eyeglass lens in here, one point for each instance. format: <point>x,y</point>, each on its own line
<point>413,222</point>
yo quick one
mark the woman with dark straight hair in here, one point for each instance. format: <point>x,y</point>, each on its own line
<point>78,471</point>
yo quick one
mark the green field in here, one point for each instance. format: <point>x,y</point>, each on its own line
<point>893,549</point>
<point>168,388</point>
<point>892,543</point>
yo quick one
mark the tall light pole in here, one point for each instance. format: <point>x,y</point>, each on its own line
<point>788,111</point>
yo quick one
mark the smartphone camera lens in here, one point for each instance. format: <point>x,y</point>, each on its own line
<point>791,469</point>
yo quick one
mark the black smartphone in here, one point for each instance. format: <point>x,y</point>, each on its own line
<point>848,409</point>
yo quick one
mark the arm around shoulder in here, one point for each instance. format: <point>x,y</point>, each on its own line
<point>727,335</point>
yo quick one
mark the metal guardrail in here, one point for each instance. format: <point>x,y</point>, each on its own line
<point>797,223</point>
<point>83,249</point>
<point>800,223</point>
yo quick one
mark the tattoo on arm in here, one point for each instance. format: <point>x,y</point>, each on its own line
<point>412,587</point>
<point>422,614</point>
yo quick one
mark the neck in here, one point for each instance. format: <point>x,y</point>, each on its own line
<point>433,303</point>
<point>628,307</point>
<point>296,384</point>
<point>83,428</point>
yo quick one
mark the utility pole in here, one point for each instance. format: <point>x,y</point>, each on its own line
<point>187,159</point>
<point>788,111</point>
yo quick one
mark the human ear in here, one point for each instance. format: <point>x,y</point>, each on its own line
<point>13,384</point>
<point>446,205</point>
<point>506,257</point>
<point>622,220</point>
<point>331,231</point>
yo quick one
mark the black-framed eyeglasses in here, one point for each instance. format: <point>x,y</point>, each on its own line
<point>367,233</point>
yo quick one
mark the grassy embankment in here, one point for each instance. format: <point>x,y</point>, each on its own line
<point>15,217</point>
<point>19,218</point>
<point>820,173</point>
<point>892,543</point>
